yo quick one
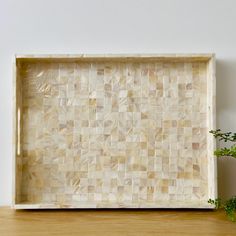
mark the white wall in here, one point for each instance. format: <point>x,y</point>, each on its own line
<point>119,26</point>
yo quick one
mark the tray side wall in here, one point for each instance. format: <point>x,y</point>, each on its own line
<point>211,102</point>
<point>14,136</point>
<point>17,123</point>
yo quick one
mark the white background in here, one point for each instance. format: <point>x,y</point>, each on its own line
<point>119,26</point>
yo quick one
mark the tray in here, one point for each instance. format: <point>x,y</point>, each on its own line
<point>114,131</point>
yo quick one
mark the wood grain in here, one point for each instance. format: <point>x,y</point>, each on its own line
<point>114,222</point>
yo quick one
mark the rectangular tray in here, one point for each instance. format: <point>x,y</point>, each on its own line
<point>114,131</point>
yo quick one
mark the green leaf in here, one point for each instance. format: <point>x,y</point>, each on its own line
<point>228,136</point>
<point>226,152</point>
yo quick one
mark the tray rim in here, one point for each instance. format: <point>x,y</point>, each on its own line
<point>208,58</point>
<point>204,57</point>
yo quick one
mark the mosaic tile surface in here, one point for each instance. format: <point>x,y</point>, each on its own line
<point>118,132</point>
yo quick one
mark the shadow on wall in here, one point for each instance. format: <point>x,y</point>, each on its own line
<point>226,121</point>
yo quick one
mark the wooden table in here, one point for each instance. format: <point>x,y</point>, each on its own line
<point>114,222</point>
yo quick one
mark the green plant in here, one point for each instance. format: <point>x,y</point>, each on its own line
<point>229,136</point>
<point>229,205</point>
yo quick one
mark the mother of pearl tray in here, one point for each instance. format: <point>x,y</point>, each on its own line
<point>114,131</point>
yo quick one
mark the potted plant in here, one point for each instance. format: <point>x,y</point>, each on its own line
<point>229,205</point>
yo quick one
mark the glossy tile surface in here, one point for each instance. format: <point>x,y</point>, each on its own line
<point>114,134</point>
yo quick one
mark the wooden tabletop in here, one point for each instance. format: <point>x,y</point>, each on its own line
<point>114,222</point>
